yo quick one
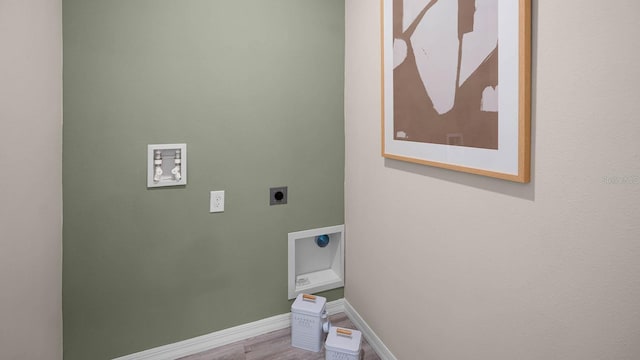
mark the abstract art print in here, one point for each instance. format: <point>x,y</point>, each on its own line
<point>456,85</point>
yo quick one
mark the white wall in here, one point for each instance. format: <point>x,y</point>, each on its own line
<point>30,179</point>
<point>446,265</point>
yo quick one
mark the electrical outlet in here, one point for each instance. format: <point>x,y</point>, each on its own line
<point>278,195</point>
<point>216,201</point>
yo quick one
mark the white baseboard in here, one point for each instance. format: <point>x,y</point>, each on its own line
<point>224,337</point>
<point>378,346</point>
<point>336,306</point>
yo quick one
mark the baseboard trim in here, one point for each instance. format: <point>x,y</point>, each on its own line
<point>376,343</point>
<point>224,337</point>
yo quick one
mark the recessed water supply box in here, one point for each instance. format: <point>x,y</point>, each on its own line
<point>316,260</point>
<point>166,165</point>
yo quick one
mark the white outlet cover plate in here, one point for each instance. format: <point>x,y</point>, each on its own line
<point>216,201</point>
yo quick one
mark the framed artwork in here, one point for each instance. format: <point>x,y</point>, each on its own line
<point>456,78</point>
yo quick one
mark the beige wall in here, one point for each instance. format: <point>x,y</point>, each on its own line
<point>30,185</point>
<point>446,265</point>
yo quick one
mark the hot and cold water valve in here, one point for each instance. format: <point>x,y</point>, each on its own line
<point>167,165</point>
<point>176,172</point>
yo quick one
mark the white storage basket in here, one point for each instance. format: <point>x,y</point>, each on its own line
<point>343,344</point>
<point>308,313</point>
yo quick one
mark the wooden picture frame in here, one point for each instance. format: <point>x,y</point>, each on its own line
<point>442,103</point>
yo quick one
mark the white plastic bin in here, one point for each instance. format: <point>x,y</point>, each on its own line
<point>308,313</point>
<point>343,344</point>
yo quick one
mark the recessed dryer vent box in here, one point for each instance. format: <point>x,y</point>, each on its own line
<point>166,165</point>
<point>313,268</point>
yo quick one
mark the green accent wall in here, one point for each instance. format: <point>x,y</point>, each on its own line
<point>255,89</point>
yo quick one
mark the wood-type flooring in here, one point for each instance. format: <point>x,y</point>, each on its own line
<point>276,345</point>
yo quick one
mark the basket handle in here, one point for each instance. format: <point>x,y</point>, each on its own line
<point>343,332</point>
<point>307,297</point>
